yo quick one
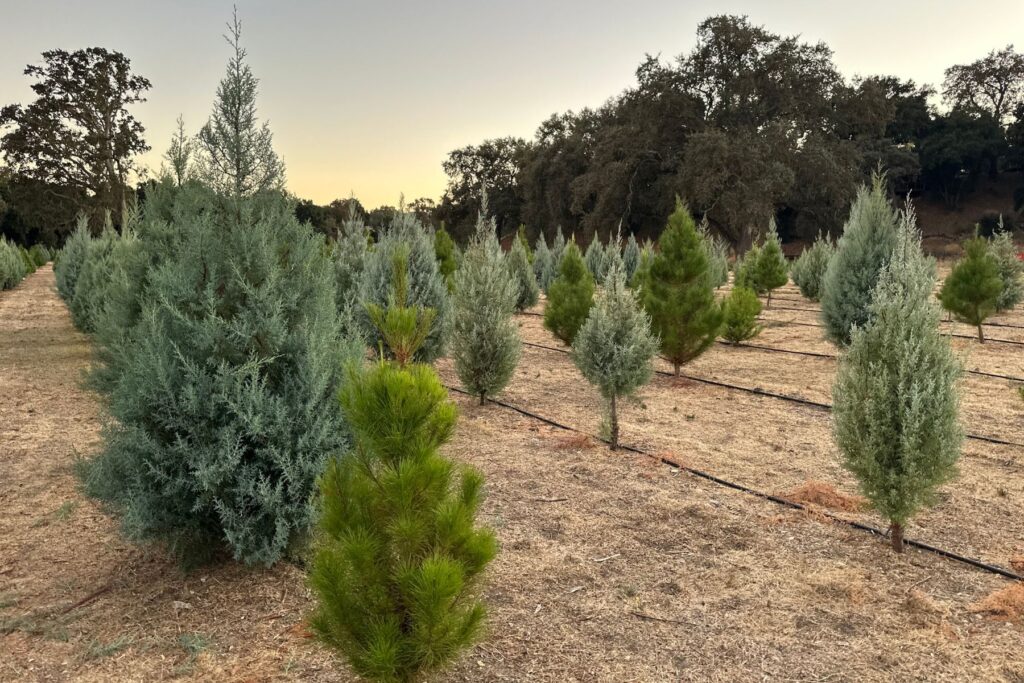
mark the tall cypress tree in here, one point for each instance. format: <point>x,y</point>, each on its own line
<point>676,292</point>
<point>631,257</point>
<point>896,400</point>
<point>485,340</point>
<point>614,347</point>
<point>971,292</point>
<point>867,242</point>
<point>521,272</point>
<point>808,271</point>
<point>558,249</point>
<point>570,296</point>
<point>594,258</point>
<point>543,263</point>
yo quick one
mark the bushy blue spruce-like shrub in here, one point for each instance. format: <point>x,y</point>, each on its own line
<point>427,288</point>
<point>72,256</point>
<point>223,405</point>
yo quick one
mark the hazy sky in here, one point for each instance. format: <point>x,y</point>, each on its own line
<point>368,97</point>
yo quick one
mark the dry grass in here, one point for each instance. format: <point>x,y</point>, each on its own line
<point>1006,604</point>
<point>613,568</point>
<point>824,495</point>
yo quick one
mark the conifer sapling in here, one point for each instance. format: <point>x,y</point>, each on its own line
<point>896,402</point>
<point>1011,269</point>
<point>740,310</point>
<point>521,272</point>
<point>570,296</point>
<point>543,263</point>
<point>973,287</point>
<point>808,271</point>
<point>676,292</point>
<point>771,271</point>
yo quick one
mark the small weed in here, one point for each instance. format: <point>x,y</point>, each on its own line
<point>65,511</point>
<point>194,643</point>
<point>8,600</point>
<point>98,650</point>
<point>628,591</point>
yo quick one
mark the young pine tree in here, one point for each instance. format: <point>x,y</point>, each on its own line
<point>426,286</point>
<point>631,257</point>
<point>485,341</point>
<point>521,272</point>
<point>444,250</point>
<point>808,271</point>
<point>570,296</point>
<point>543,263</point>
<point>740,310</point>
<point>403,328</point>
<point>1011,269</point>
<point>594,258</point>
<point>895,396</point>
<point>399,555</point>
<point>867,242</point>
<point>677,294</point>
<point>973,287</point>
<point>521,238</point>
<point>770,268</point>
<point>615,346</point>
<point>745,270</point>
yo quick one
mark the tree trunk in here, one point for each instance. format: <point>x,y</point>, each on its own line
<point>896,535</point>
<point>615,425</point>
<point>483,398</point>
<point>675,369</point>
<point>769,304</point>
<point>981,335</point>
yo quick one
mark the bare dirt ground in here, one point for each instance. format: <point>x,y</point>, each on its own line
<point>613,567</point>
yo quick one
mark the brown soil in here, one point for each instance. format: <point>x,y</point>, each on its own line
<point>612,568</point>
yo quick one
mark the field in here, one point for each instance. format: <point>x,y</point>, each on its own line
<point>614,566</point>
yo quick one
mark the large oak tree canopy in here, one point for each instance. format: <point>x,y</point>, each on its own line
<point>78,133</point>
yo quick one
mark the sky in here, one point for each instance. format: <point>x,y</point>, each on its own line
<point>367,98</point>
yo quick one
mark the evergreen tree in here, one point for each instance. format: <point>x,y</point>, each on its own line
<point>614,347</point>
<point>444,250</point>
<point>745,272</point>
<point>72,256</point>
<point>868,239</point>
<point>236,153</point>
<point>91,286</point>
<point>895,396</point>
<point>349,255</point>
<point>403,327</point>
<point>179,155</point>
<point>677,292</point>
<point>39,254</point>
<point>973,287</point>
<point>521,272</point>
<point>594,258</point>
<point>631,257</point>
<point>570,296</point>
<point>717,253</point>
<point>740,310</point>
<point>543,263</point>
<point>485,341</point>
<point>222,413</point>
<point>12,266</point>
<point>808,270</point>
<point>770,268</point>
<point>1011,269</point>
<point>399,556</point>
<point>427,288</point>
<point>558,250</point>
<point>521,238</point>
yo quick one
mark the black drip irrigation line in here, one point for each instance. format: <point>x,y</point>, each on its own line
<point>779,500</point>
<point>782,397</point>
<point>815,354</point>
<point>832,356</point>
<point>946,322</point>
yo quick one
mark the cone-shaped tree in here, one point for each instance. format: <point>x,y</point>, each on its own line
<point>594,257</point>
<point>72,256</point>
<point>223,411</point>
<point>1011,269</point>
<point>444,250</point>
<point>12,266</point>
<point>770,269</point>
<point>808,270</point>
<point>349,255</point>
<point>485,340</point>
<point>427,289</point>
<point>521,238</point>
<point>543,263</point>
<point>718,255</point>
<point>403,327</point>
<point>521,272</point>
<point>399,556</point>
<point>615,346</point>
<point>895,396</point>
<point>570,296</point>
<point>741,309</point>
<point>557,249</point>
<point>868,239</point>
<point>87,303</point>
<point>745,270</point>
<point>631,257</point>
<point>973,287</point>
<point>677,294</point>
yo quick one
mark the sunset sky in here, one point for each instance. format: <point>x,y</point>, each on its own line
<point>368,97</point>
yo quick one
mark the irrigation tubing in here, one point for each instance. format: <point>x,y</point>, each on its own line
<point>782,397</point>
<point>779,500</point>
